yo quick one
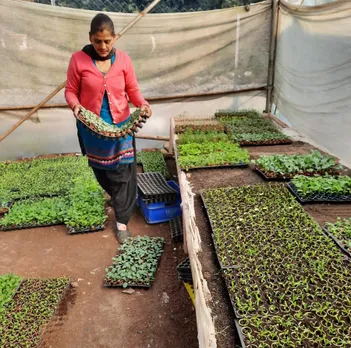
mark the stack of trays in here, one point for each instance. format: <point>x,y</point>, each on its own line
<point>184,271</point>
<point>159,200</point>
<point>176,227</point>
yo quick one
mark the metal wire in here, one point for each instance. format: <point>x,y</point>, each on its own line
<point>134,6</point>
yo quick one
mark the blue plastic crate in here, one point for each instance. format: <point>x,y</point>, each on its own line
<point>161,211</point>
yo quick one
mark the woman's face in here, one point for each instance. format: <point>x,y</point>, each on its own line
<point>103,42</point>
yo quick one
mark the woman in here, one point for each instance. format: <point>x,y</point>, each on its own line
<point>102,79</point>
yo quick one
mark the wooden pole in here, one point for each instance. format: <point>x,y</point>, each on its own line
<point>272,54</point>
<point>151,137</point>
<point>63,84</point>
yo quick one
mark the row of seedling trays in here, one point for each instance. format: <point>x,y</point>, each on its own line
<point>51,191</point>
<point>288,282</point>
<point>313,177</point>
<point>27,307</point>
<point>286,278</point>
<point>215,142</point>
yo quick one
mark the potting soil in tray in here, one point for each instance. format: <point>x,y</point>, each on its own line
<point>153,188</point>
<point>22,227</point>
<point>266,143</point>
<point>136,263</point>
<point>219,166</point>
<point>345,249</point>
<point>271,178</point>
<point>176,227</point>
<point>31,309</point>
<point>278,177</point>
<point>85,230</point>
<point>319,197</point>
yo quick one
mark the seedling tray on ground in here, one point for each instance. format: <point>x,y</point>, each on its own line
<point>212,235</point>
<point>161,211</point>
<point>319,197</point>
<point>219,166</point>
<point>176,227</point>
<point>237,315</point>
<point>204,125</point>
<point>85,230</point>
<point>272,178</point>
<point>153,188</point>
<point>289,177</point>
<point>267,143</point>
<point>36,339</point>
<point>240,334</point>
<point>108,284</point>
<point>63,295</point>
<point>22,227</point>
<point>123,251</point>
<point>221,265</point>
<point>337,242</point>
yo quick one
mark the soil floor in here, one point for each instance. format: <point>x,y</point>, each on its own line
<point>96,317</point>
<point>212,178</point>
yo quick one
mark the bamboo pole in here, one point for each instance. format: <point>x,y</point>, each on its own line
<point>272,54</point>
<point>62,85</point>
<point>30,113</point>
<point>150,99</point>
<point>151,137</point>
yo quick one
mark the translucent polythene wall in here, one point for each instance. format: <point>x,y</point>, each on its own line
<point>54,131</point>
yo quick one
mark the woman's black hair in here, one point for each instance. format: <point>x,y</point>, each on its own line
<point>101,22</point>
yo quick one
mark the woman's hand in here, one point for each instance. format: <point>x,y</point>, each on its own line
<point>76,109</point>
<point>145,110</point>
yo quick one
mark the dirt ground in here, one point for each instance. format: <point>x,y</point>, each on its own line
<point>96,317</point>
<point>213,178</point>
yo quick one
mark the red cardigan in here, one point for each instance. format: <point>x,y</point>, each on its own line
<point>86,85</point>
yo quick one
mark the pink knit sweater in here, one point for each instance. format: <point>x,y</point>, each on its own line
<point>86,85</point>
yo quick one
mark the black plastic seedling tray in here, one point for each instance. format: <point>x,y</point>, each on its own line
<point>240,334</point>
<point>337,242</point>
<point>22,227</point>
<point>269,178</point>
<point>219,166</point>
<point>153,188</point>
<point>212,235</point>
<point>56,311</point>
<point>320,197</point>
<point>85,230</point>
<point>108,284</point>
<point>176,227</point>
<point>237,315</point>
<point>275,143</point>
<point>184,271</point>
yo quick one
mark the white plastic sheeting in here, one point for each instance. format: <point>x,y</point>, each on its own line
<point>313,73</point>
<point>309,2</point>
<point>173,54</point>
<point>54,131</point>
